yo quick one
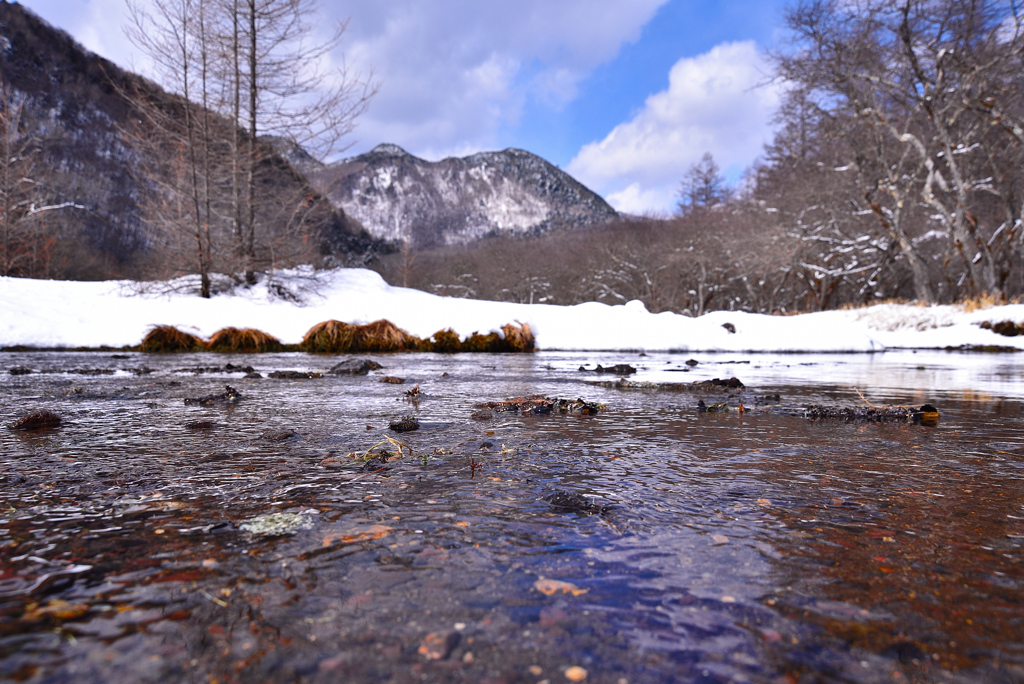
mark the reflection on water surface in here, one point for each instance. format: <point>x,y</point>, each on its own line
<point>150,540</point>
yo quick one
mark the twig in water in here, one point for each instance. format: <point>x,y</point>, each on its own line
<point>863,399</point>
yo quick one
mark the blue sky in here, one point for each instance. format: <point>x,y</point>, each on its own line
<point>625,95</point>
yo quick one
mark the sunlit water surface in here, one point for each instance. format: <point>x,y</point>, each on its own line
<point>756,546</point>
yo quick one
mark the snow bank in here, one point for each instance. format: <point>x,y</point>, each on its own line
<point>46,313</point>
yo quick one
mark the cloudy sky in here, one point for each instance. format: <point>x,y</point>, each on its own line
<point>623,94</point>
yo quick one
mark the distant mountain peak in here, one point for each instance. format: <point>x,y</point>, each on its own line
<point>397,196</point>
<point>389,150</point>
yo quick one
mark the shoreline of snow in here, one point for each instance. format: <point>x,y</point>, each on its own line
<point>68,314</point>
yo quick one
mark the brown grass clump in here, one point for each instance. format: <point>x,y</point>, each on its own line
<point>518,339</point>
<point>382,336</point>
<point>984,301</point>
<point>244,340</point>
<point>478,343</point>
<point>167,338</point>
<point>444,342</point>
<point>329,337</point>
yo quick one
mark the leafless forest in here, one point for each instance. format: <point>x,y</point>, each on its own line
<point>107,174</point>
<point>897,172</point>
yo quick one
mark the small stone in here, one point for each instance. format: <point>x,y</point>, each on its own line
<point>276,524</point>
<point>390,379</point>
<point>575,673</point>
<point>407,424</point>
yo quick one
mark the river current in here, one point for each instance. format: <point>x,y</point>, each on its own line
<point>267,536</point>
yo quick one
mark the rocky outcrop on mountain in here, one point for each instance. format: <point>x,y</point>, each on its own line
<point>397,196</point>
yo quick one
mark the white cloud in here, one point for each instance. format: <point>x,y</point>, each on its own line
<point>453,72</point>
<point>635,200</point>
<point>715,102</point>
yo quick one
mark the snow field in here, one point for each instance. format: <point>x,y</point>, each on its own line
<point>47,313</point>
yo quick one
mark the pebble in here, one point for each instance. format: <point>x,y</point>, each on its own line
<point>575,674</point>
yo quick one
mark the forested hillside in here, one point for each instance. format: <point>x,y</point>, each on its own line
<point>94,162</point>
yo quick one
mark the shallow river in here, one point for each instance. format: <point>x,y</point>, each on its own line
<point>146,540</point>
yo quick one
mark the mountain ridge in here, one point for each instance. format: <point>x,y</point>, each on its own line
<point>398,196</point>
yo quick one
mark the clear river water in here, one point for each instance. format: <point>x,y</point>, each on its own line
<point>265,536</point>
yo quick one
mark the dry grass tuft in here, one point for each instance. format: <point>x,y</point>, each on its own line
<point>853,306</point>
<point>244,340</point>
<point>383,336</point>
<point>166,338</point>
<point>982,301</point>
<point>518,338</point>
<point>478,343</point>
<point>329,337</point>
<point>444,342</point>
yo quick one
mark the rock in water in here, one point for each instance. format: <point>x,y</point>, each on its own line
<point>37,420</point>
<point>407,424</point>
<point>354,367</point>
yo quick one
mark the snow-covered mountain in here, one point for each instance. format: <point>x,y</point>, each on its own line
<point>397,196</point>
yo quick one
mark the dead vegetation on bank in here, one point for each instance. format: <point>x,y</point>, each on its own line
<point>243,341</point>
<point>337,337</point>
<point>165,339</point>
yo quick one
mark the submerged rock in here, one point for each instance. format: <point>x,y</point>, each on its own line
<point>229,395</point>
<point>226,368</point>
<point>200,425</point>
<point>712,408</point>
<point>355,367</point>
<point>390,379</point>
<point>20,370</point>
<point>716,385</point>
<point>276,524</point>
<point>293,375</point>
<point>538,404</point>
<point>278,435</point>
<point>731,383</point>
<point>37,420</point>
<point>406,424</point>
<point>618,369</point>
<point>376,463</point>
<point>926,414</point>
<point>573,502</point>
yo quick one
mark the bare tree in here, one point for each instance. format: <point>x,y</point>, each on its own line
<point>703,186</point>
<point>281,90</point>
<point>925,96</point>
<point>249,74</point>
<point>178,140</point>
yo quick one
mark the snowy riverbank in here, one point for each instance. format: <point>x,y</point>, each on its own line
<point>47,313</point>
